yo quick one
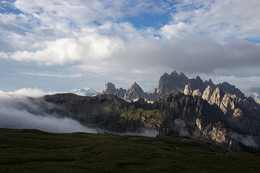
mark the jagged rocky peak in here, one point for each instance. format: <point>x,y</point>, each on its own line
<point>120,92</point>
<point>174,73</point>
<point>171,82</point>
<point>198,78</point>
<point>222,100</point>
<point>109,88</point>
<point>183,76</point>
<point>134,92</point>
<point>209,82</point>
<point>187,90</point>
<point>228,88</point>
<point>207,93</point>
<point>196,92</point>
<point>216,97</point>
<point>175,81</point>
<point>227,104</point>
<point>197,83</point>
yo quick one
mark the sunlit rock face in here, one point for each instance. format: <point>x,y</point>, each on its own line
<point>187,90</point>
<point>242,113</point>
<point>207,93</point>
<point>196,93</point>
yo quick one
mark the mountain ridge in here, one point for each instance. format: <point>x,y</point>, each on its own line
<point>171,82</point>
<point>172,113</point>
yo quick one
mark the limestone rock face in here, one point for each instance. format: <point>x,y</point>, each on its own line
<point>134,92</point>
<point>216,97</point>
<point>196,92</point>
<point>187,90</point>
<point>109,88</point>
<point>207,93</point>
<point>227,104</point>
<point>120,92</point>
<point>171,82</point>
<point>197,83</point>
<point>177,82</point>
<point>243,113</point>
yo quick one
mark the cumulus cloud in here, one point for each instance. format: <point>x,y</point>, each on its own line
<point>65,50</point>
<point>97,37</point>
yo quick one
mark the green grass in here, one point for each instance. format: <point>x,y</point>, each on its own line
<point>36,151</point>
<point>136,114</point>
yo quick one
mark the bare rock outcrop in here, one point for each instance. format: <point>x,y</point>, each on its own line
<point>196,93</point>
<point>109,88</point>
<point>134,92</point>
<point>187,90</point>
<point>207,93</point>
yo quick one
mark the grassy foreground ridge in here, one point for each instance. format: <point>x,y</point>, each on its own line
<point>36,151</point>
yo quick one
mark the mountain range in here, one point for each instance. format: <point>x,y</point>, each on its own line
<point>170,82</point>
<point>218,113</point>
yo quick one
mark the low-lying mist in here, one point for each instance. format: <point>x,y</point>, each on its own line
<point>20,112</point>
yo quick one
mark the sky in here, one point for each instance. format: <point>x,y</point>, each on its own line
<point>56,45</point>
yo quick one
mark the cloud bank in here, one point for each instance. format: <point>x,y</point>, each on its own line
<point>27,113</point>
<point>18,111</point>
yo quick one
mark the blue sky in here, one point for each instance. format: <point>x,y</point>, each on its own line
<point>56,45</point>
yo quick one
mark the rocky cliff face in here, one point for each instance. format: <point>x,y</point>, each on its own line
<point>193,116</point>
<point>231,89</point>
<point>109,88</point>
<point>134,92</point>
<point>178,82</point>
<point>172,113</point>
<point>243,113</point>
<point>171,82</point>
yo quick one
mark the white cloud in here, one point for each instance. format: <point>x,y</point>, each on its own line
<point>82,12</point>
<point>23,92</point>
<point>86,48</point>
<point>218,19</point>
<point>24,113</point>
<point>57,75</point>
<point>190,54</point>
